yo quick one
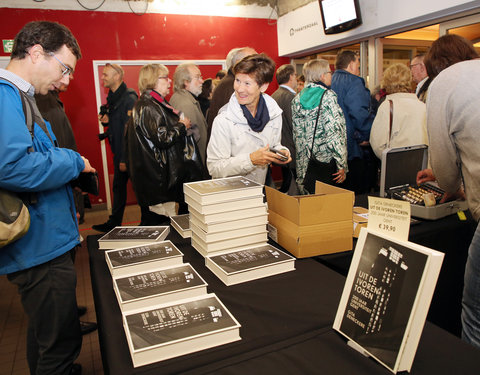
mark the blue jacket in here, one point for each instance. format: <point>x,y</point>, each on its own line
<point>46,171</point>
<point>354,99</point>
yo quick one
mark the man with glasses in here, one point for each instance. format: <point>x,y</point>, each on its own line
<point>420,76</point>
<point>187,85</point>
<point>41,262</point>
<point>114,115</point>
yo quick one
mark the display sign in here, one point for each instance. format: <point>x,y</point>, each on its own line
<point>389,216</point>
<point>7,45</point>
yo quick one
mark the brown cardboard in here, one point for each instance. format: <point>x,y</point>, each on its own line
<point>359,221</point>
<point>309,225</point>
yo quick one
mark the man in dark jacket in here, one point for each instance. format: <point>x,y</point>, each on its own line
<point>114,114</point>
<point>224,90</point>
<point>287,81</point>
<point>354,99</point>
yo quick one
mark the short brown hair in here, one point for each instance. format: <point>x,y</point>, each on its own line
<point>50,35</point>
<point>344,58</point>
<point>448,50</point>
<point>148,76</point>
<point>397,78</point>
<point>283,73</point>
<point>117,68</point>
<point>259,66</point>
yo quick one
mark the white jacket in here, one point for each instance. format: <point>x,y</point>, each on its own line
<point>232,141</point>
<point>409,126</point>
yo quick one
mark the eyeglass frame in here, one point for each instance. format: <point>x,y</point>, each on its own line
<point>412,65</point>
<point>67,70</point>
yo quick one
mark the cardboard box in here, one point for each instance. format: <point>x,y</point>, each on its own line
<point>310,225</point>
<point>360,220</point>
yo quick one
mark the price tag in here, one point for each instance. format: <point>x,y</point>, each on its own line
<point>389,216</point>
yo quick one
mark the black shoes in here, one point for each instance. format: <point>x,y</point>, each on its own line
<point>87,327</point>
<point>105,227</point>
<point>82,310</point>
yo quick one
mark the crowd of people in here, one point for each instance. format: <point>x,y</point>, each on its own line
<point>213,128</point>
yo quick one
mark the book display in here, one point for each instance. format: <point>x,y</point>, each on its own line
<point>250,263</point>
<point>127,236</point>
<point>226,214</point>
<point>386,298</point>
<point>158,286</point>
<point>222,189</point>
<point>141,258</point>
<point>181,223</point>
<point>186,326</point>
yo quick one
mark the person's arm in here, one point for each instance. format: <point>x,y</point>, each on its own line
<point>357,102</point>
<point>380,128</point>
<point>335,132</point>
<point>43,169</point>
<point>220,162</point>
<point>442,151</point>
<point>156,129</point>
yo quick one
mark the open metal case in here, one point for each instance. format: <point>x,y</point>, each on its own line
<point>399,171</point>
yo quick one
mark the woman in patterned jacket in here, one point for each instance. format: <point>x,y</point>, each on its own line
<point>330,136</point>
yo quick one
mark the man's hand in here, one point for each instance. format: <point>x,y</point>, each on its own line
<point>425,176</point>
<point>122,167</point>
<point>103,119</point>
<point>88,168</point>
<point>186,121</point>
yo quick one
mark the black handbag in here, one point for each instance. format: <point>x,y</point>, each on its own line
<point>317,170</point>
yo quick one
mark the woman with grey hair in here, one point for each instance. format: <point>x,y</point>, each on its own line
<point>319,128</point>
<point>155,146</point>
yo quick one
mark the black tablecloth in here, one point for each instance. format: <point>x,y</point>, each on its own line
<point>286,327</point>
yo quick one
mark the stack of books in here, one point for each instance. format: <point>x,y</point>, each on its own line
<point>165,305</point>
<point>181,223</point>
<point>124,236</point>
<point>226,214</point>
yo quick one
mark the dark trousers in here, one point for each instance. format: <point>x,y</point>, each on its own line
<point>48,297</point>
<point>119,189</point>
<point>356,180</point>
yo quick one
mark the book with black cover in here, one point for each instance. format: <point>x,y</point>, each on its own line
<point>249,264</point>
<point>125,236</point>
<point>386,298</point>
<point>158,286</point>
<point>222,189</point>
<point>181,223</point>
<point>137,259</point>
<point>171,330</point>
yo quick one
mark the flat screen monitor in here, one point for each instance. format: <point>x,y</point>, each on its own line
<point>340,15</point>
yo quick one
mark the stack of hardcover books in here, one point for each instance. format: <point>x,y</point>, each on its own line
<point>124,236</point>
<point>165,307</point>
<point>226,214</point>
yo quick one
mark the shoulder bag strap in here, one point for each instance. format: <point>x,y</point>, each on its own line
<point>316,123</point>
<point>391,122</point>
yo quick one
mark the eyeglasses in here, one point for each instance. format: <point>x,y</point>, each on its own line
<point>412,65</point>
<point>163,77</point>
<point>329,72</point>
<point>66,69</point>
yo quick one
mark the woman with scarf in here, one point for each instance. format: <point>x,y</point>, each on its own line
<point>155,147</point>
<point>249,126</point>
<point>318,124</point>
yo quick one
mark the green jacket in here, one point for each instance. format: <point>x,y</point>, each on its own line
<point>330,137</point>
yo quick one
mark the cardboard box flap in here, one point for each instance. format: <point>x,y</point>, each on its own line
<point>329,205</point>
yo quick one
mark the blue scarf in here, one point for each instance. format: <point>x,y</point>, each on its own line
<point>262,117</point>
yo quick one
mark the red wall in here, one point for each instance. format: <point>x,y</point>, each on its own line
<point>125,36</point>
